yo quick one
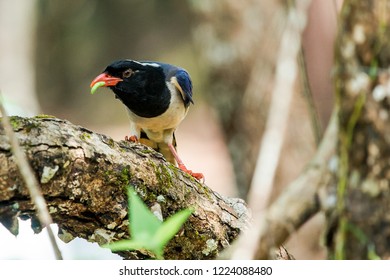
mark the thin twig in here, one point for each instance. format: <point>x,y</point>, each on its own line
<point>308,95</point>
<point>272,141</point>
<point>30,180</point>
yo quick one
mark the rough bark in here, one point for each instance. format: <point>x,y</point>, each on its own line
<point>83,176</point>
<point>359,225</point>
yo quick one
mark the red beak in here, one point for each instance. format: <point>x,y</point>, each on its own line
<point>107,79</point>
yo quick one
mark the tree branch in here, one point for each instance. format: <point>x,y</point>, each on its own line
<point>29,179</point>
<point>274,134</point>
<point>83,176</point>
<point>302,198</point>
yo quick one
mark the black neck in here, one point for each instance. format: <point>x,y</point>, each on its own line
<point>147,97</point>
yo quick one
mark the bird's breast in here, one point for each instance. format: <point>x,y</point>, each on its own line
<point>170,119</point>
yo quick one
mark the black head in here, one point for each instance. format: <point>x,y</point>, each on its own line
<point>140,86</point>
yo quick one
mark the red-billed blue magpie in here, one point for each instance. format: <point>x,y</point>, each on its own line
<point>157,96</point>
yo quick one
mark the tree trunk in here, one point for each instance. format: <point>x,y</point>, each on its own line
<point>359,224</point>
<point>83,178</point>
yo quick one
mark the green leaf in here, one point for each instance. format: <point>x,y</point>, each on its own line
<point>124,245</point>
<point>148,232</point>
<point>143,224</point>
<point>171,226</point>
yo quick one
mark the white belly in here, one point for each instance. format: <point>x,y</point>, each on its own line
<point>160,128</point>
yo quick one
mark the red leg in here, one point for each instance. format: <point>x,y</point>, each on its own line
<point>198,176</point>
<point>132,138</point>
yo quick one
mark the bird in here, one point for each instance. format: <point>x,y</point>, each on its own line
<point>157,97</point>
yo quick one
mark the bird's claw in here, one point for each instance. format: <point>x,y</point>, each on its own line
<point>198,176</point>
<point>133,139</point>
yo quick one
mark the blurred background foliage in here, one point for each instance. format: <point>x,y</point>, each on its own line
<point>55,49</point>
<point>77,39</point>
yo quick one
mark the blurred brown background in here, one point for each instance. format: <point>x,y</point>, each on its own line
<point>51,50</point>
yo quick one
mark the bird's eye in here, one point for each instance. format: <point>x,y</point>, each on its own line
<point>127,73</point>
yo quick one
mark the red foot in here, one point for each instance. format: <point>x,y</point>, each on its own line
<point>198,176</point>
<point>132,138</point>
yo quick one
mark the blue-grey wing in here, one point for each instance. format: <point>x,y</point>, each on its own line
<point>184,81</point>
